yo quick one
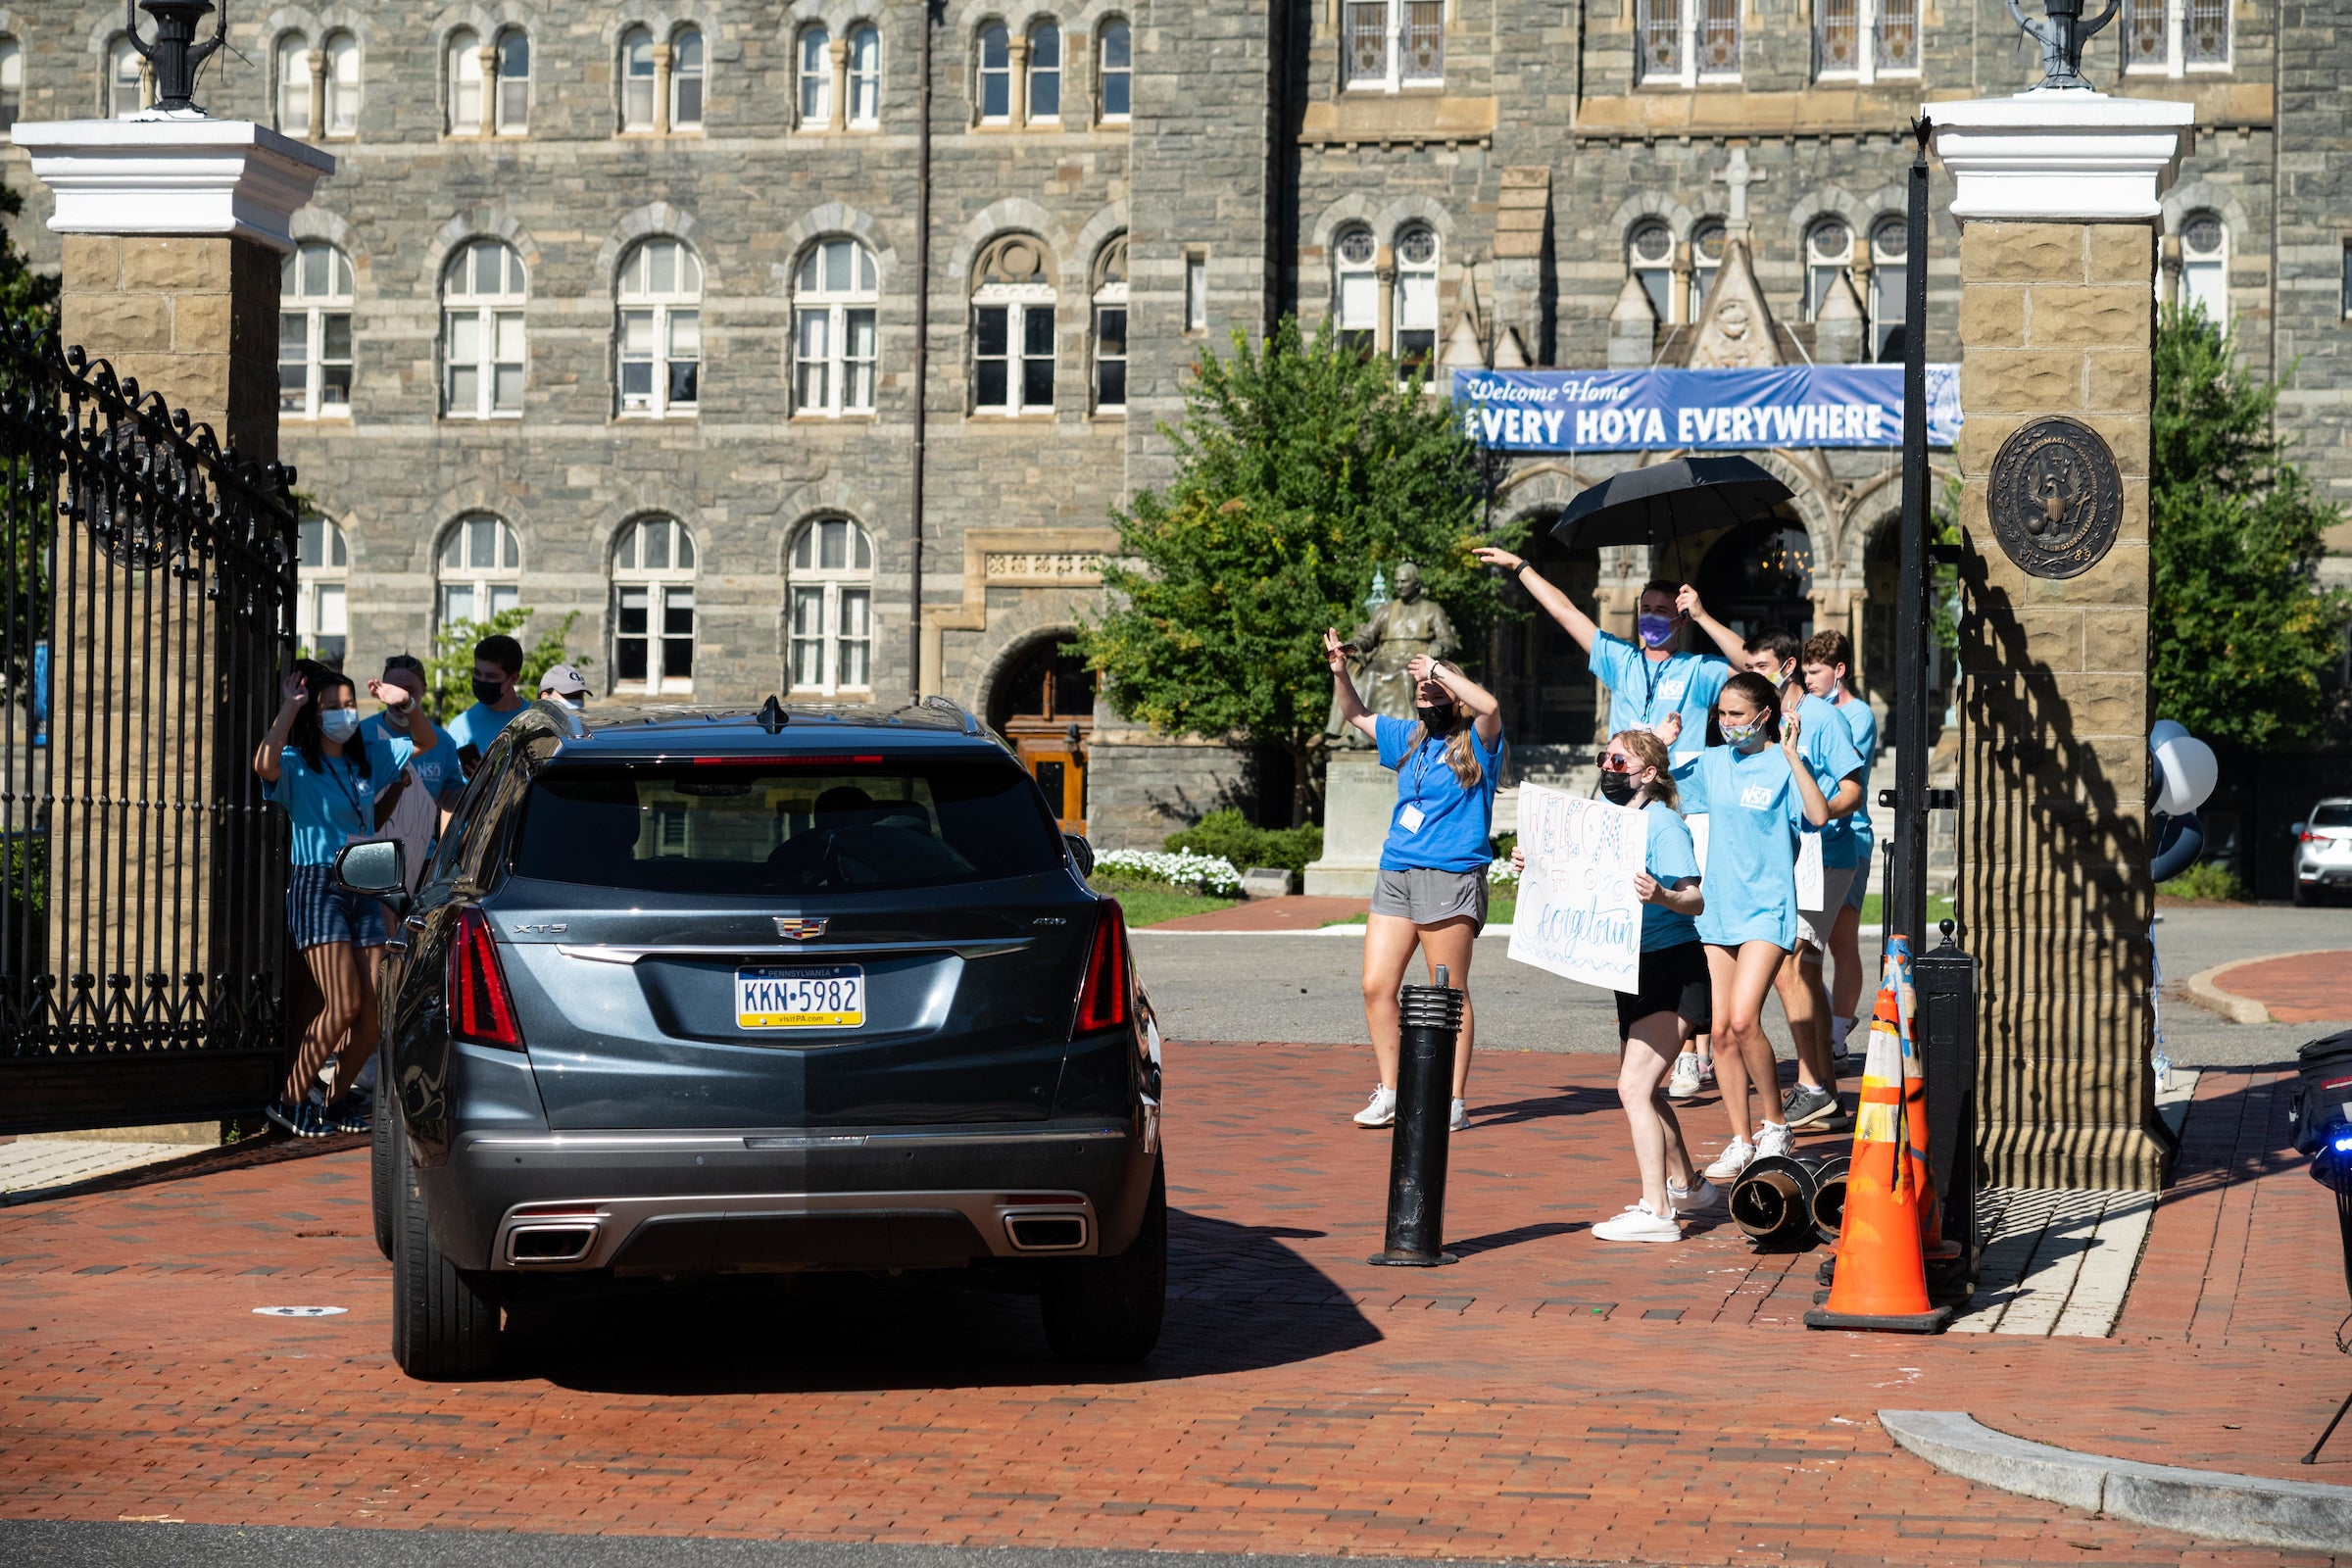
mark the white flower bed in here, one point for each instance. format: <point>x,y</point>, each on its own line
<point>1204,873</point>
<point>1500,876</point>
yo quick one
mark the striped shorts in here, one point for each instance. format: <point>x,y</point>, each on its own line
<point>319,912</point>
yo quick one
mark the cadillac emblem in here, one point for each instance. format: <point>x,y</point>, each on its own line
<point>797,929</point>
<point>2055,499</point>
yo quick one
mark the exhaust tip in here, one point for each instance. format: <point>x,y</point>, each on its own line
<point>1046,1232</point>
<point>550,1244</point>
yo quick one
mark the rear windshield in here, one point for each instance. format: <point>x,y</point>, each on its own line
<point>767,828</point>
<point>2332,817</point>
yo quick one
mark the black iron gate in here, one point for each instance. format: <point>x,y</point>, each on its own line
<point>147,587</point>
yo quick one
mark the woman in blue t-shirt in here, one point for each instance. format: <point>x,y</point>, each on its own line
<point>1759,797</point>
<point>314,763</point>
<point>1431,889</point>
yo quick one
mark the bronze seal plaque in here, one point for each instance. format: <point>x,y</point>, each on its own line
<point>2055,498</point>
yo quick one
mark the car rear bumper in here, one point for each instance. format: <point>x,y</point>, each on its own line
<point>669,1202</point>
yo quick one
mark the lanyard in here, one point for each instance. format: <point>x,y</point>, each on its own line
<point>1421,765</point>
<point>1653,671</point>
<point>344,788</point>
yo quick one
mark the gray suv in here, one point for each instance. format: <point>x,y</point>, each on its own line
<point>688,992</point>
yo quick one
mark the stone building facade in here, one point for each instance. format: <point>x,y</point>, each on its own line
<point>612,310</point>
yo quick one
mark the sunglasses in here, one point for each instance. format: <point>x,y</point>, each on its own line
<point>1617,762</point>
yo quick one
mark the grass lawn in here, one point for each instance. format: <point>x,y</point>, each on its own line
<point>1873,908</point>
<point>1150,903</point>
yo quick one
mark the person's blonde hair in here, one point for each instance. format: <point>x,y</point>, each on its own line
<point>1651,751</point>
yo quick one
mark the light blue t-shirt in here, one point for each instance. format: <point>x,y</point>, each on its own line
<point>1456,825</point>
<point>1862,721</point>
<point>1672,858</point>
<point>1827,745</point>
<point>1754,815</point>
<point>1644,690</point>
<point>439,771</point>
<point>332,804</point>
<point>479,725</point>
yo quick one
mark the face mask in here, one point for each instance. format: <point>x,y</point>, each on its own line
<point>575,704</point>
<point>339,725</point>
<point>1618,789</point>
<point>1436,717</point>
<point>1740,734</point>
<point>1654,630</point>
<point>488,691</point>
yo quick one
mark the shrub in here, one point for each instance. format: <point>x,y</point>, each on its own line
<point>1230,836</point>
<point>2207,879</point>
<point>1202,873</point>
<point>1500,876</point>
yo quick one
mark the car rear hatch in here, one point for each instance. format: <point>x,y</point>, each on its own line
<point>791,942</point>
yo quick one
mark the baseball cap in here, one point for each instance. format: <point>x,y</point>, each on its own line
<point>565,680</point>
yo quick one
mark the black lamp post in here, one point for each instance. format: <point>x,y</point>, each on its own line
<point>2062,33</point>
<point>175,54</point>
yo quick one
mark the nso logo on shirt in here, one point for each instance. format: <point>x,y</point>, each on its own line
<point>1756,797</point>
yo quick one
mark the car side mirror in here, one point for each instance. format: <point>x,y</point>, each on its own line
<point>374,869</point>
<point>2298,828</point>
<point>1081,852</point>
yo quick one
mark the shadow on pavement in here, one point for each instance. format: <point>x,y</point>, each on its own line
<point>1240,1300</point>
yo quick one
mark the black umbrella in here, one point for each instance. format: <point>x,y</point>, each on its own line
<point>1669,501</point>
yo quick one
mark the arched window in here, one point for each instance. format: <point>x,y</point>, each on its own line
<point>513,82</point>
<point>12,81</point>
<point>1416,298</point>
<point>1355,288</point>
<point>830,598</point>
<point>816,78</point>
<point>342,112</point>
<point>1013,329</point>
<point>2205,268</point>
<point>1045,73</point>
<point>686,80</point>
<point>294,84</point>
<point>1829,252</point>
<point>322,611</point>
<point>866,75</point>
<point>833,300</point>
<point>484,354</point>
<point>464,84</point>
<point>124,81</point>
<point>1890,283</point>
<point>996,76</point>
<point>1649,255</point>
<point>1110,328</point>
<point>480,570</point>
<point>660,330</point>
<point>314,332</point>
<point>1118,71</point>
<point>637,79</point>
<point>1707,260</point>
<point>653,606</point>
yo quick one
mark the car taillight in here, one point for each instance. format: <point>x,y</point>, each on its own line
<point>2310,837</point>
<point>1102,997</point>
<point>479,1008</point>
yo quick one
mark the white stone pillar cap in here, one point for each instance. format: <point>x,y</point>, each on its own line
<point>2061,154</point>
<point>176,173</point>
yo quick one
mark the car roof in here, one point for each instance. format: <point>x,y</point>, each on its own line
<point>769,729</point>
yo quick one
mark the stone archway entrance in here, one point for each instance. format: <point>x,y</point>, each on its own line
<point>1043,700</point>
<point>1759,574</point>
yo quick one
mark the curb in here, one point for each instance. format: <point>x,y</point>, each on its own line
<point>2198,1502</point>
<point>2213,999</point>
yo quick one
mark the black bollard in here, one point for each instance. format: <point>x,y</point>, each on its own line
<point>1430,1022</point>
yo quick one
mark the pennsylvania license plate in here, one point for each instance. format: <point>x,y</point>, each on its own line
<point>804,997</point>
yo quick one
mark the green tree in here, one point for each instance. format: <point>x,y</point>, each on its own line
<point>449,672</point>
<point>1302,469</point>
<point>25,296</point>
<point>2243,640</point>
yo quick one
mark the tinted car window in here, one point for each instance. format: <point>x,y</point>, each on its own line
<point>2332,817</point>
<point>783,829</point>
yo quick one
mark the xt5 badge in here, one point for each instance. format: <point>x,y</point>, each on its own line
<point>2055,499</point>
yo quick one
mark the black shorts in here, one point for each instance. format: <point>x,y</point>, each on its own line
<point>1673,980</point>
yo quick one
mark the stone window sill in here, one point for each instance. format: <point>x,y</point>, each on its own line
<point>861,416</point>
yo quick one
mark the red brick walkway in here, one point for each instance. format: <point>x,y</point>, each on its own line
<point>1550,1397</point>
<point>1296,912</point>
<point>2297,988</point>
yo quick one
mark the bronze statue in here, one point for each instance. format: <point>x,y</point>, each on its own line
<point>1407,625</point>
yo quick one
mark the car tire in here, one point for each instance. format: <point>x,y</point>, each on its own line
<point>1109,1308</point>
<point>381,1153</point>
<point>444,1318</point>
<point>2303,895</point>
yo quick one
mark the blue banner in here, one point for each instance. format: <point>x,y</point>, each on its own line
<point>1701,411</point>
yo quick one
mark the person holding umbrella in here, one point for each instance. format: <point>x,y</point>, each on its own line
<point>1432,886</point>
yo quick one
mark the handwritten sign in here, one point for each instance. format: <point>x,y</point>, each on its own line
<point>1808,862</point>
<point>1578,916</point>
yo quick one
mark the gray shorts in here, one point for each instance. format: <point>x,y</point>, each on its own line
<point>1813,926</point>
<point>1425,897</point>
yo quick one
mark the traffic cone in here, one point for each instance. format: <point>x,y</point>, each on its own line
<point>1881,1280</point>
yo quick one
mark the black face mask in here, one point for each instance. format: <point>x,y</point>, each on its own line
<point>1435,719</point>
<point>1618,789</point>
<point>488,691</point>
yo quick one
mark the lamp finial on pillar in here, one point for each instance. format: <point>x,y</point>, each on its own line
<point>175,54</point>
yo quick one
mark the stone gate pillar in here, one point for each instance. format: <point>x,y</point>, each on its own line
<point>2056,193</point>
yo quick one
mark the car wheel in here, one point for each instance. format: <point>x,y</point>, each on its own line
<point>2303,895</point>
<point>444,1318</point>
<point>382,1154</point>
<point>1109,1308</point>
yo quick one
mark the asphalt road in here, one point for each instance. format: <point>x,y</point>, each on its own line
<point>1307,986</point>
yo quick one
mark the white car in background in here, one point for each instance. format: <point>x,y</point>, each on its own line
<point>2323,849</point>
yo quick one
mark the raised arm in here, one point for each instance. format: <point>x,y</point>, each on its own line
<point>1817,809</point>
<point>1729,641</point>
<point>1343,685</point>
<point>1486,713</point>
<point>293,692</point>
<point>1557,605</point>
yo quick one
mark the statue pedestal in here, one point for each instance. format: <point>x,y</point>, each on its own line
<point>1359,796</point>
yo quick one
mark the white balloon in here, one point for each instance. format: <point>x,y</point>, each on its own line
<point>2186,772</point>
<point>2165,729</point>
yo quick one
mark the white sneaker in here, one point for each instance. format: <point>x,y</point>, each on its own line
<point>1775,1139</point>
<point>1381,1111</point>
<point>1694,1200</point>
<point>1460,1120</point>
<point>1731,1161</point>
<point>1706,1071</point>
<point>1684,1082</point>
<point>1639,1223</point>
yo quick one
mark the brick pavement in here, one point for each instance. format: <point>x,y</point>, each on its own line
<point>2295,987</point>
<point>1550,1397</point>
<point>1292,913</point>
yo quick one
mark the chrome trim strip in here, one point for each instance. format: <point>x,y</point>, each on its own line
<point>805,953</point>
<point>706,1142</point>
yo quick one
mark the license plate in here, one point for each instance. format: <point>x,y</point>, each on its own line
<point>804,997</point>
